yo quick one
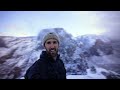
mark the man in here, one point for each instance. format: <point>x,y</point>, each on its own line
<point>49,66</point>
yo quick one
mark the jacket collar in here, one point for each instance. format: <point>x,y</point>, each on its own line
<point>47,57</point>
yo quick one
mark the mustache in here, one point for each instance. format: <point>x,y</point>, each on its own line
<point>52,49</point>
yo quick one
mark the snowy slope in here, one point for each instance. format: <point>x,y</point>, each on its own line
<point>16,56</point>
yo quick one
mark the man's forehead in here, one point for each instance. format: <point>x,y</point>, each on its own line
<point>51,40</point>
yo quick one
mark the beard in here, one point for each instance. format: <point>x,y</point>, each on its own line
<point>52,52</point>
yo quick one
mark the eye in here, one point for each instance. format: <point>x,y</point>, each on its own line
<point>54,42</point>
<point>48,42</point>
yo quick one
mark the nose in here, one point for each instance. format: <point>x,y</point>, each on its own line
<point>52,45</point>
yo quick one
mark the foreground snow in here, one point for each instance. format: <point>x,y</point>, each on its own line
<point>90,75</point>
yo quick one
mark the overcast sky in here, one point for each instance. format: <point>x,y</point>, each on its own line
<point>29,23</point>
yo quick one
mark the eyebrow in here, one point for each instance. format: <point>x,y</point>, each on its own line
<point>51,41</point>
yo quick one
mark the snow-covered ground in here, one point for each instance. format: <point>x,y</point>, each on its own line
<point>90,75</point>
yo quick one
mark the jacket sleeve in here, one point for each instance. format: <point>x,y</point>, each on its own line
<point>36,71</point>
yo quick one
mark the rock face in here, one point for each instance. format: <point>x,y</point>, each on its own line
<point>101,48</point>
<point>17,54</point>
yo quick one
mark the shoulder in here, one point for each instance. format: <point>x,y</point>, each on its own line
<point>39,63</point>
<point>35,69</point>
<point>61,62</point>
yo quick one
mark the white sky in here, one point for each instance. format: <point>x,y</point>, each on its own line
<point>29,23</point>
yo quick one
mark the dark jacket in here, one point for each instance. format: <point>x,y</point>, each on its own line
<point>46,68</point>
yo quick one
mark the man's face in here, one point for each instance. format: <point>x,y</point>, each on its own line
<point>51,47</point>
